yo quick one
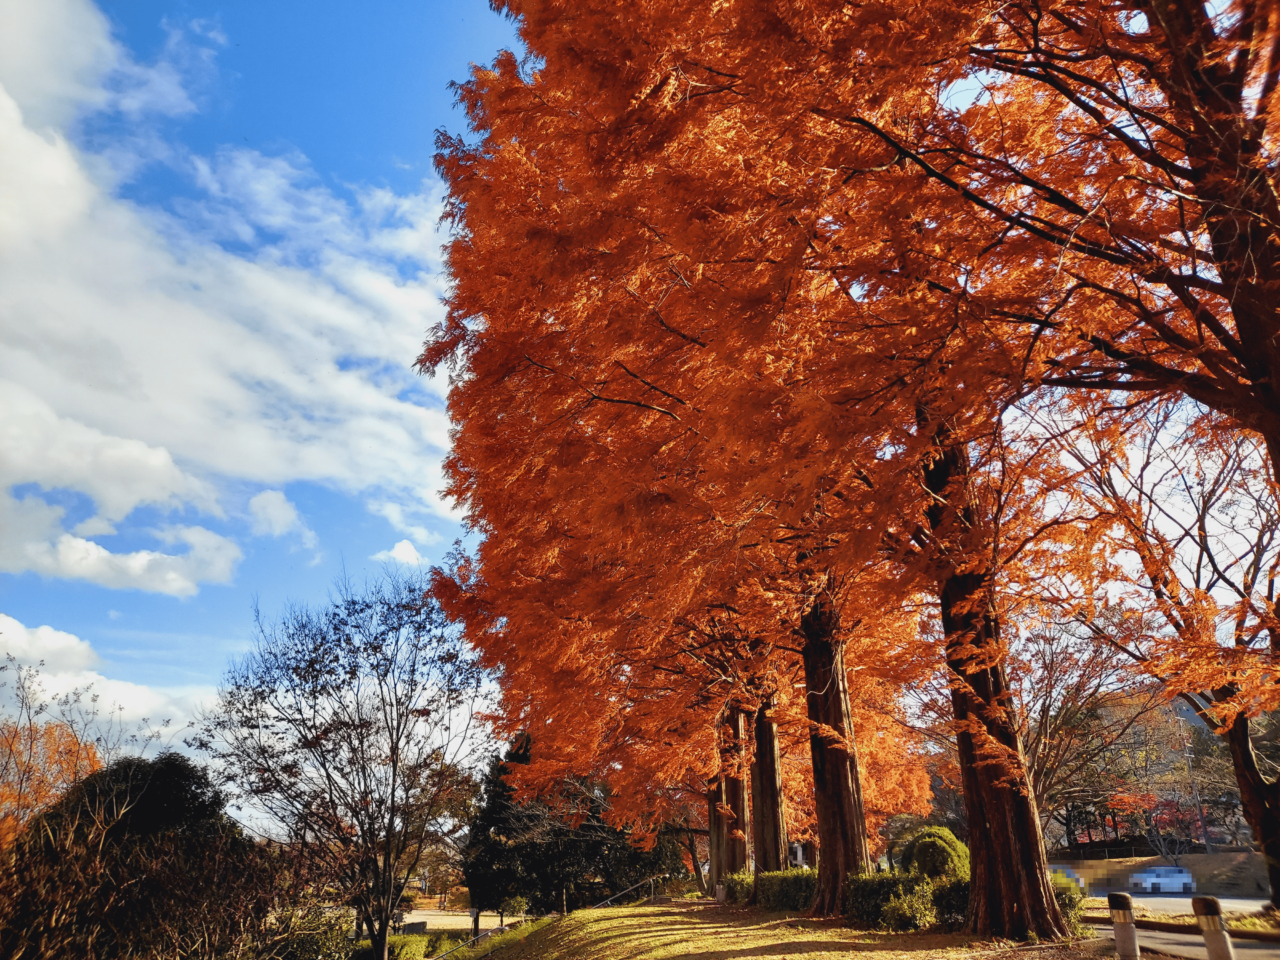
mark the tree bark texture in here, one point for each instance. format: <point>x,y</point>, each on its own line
<point>837,788</point>
<point>716,835</point>
<point>1259,798</point>
<point>768,819</point>
<point>738,826</point>
<point>699,877</point>
<point>1010,891</point>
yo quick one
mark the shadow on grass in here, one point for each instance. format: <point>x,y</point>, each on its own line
<point>712,934</point>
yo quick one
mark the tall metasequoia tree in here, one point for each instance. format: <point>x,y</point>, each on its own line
<point>737,821</point>
<point>727,819</point>
<point>842,824</point>
<point>1011,887</point>
<point>768,813</point>
<point>686,342</point>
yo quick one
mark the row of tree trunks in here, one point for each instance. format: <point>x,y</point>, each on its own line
<point>837,787</point>
<point>1259,799</point>
<point>1010,891</point>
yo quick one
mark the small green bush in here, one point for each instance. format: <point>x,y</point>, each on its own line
<point>867,895</point>
<point>1070,903</point>
<point>905,901</point>
<point>323,936</point>
<point>935,852</point>
<point>912,909</point>
<point>786,889</point>
<point>951,902</point>
<point>514,907</point>
<point>738,886</point>
<point>408,946</point>
<point>498,941</point>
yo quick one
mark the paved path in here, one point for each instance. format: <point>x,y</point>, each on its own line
<point>1158,903</point>
<point>456,923</point>
<point>1191,945</point>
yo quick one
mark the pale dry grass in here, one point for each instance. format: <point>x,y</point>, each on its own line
<point>1236,920</point>
<point>448,921</point>
<point>725,933</point>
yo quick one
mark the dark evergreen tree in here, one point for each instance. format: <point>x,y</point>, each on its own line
<point>140,860</point>
<point>539,852</point>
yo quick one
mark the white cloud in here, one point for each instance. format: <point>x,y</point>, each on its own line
<point>56,453</point>
<point>70,663</point>
<point>403,552</point>
<point>38,446</point>
<point>274,516</point>
<point>397,515</point>
<point>53,88</point>
<point>32,541</point>
<point>61,652</point>
<point>145,365</point>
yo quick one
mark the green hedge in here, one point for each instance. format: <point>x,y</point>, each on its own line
<point>951,901</point>
<point>909,901</point>
<point>936,852</point>
<point>867,895</point>
<point>738,886</point>
<point>408,946</point>
<point>912,909</point>
<point>786,889</point>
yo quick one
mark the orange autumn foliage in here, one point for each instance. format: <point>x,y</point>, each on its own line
<point>38,762</point>
<point>728,280</point>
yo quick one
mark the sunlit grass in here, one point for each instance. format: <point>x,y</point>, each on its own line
<point>725,933</point>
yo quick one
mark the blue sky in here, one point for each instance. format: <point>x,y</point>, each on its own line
<point>218,256</point>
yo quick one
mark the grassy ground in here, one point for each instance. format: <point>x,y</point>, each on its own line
<point>725,933</point>
<point>416,946</point>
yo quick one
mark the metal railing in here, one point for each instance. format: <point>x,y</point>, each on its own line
<point>649,881</point>
<point>487,933</point>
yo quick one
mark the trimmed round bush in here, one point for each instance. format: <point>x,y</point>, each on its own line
<point>935,852</point>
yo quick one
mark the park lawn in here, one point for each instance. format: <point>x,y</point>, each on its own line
<point>726,933</point>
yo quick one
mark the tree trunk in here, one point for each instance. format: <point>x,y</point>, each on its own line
<point>1259,799</point>
<point>1010,892</point>
<point>768,819</point>
<point>691,843</point>
<point>837,789</point>
<point>738,826</point>
<point>716,836</point>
